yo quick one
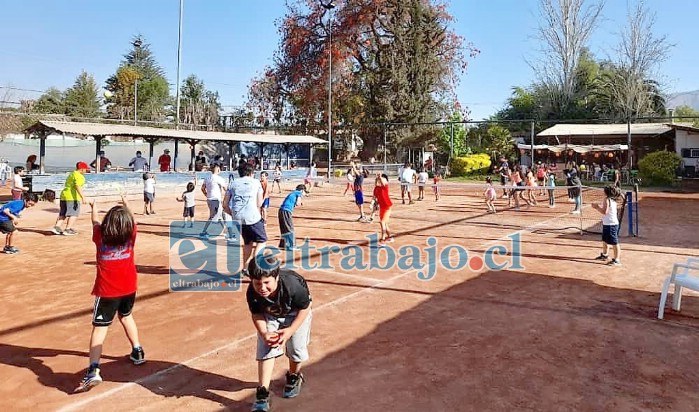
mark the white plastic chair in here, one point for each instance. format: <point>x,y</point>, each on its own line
<point>681,278</point>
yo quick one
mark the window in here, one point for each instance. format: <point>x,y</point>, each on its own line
<point>690,153</point>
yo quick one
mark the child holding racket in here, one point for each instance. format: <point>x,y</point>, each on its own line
<point>115,285</point>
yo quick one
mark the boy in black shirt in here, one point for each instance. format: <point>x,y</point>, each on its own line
<point>280,304</point>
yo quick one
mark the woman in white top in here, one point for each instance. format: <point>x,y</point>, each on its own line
<point>610,225</point>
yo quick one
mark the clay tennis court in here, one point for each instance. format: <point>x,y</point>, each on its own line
<point>565,333</point>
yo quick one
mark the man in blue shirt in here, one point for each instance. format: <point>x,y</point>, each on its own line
<point>9,217</point>
<point>286,222</point>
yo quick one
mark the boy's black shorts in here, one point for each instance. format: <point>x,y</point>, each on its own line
<point>7,226</point>
<point>106,308</point>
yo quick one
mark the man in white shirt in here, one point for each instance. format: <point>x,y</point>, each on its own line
<point>243,201</point>
<point>213,187</point>
<point>139,163</point>
<point>5,171</point>
<point>407,178</point>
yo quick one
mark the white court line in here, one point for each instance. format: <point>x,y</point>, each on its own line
<point>347,275</point>
<point>369,288</point>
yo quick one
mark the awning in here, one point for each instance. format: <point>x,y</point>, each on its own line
<point>123,130</point>
<point>576,148</point>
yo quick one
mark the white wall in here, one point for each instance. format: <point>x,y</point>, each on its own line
<point>686,140</point>
<point>62,153</point>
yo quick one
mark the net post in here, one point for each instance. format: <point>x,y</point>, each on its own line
<point>635,189</point>
<point>629,206</point>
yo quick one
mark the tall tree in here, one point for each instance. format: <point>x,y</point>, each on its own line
<point>564,30</point>
<point>199,106</point>
<point>628,86</point>
<point>51,102</point>
<point>82,100</point>
<point>139,66</point>
<point>392,60</point>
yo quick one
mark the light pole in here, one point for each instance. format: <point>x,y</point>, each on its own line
<point>137,45</point>
<point>329,6</point>
<point>179,62</point>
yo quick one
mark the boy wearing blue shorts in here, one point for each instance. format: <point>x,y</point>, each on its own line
<point>280,305</point>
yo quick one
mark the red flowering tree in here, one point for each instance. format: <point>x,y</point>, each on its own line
<point>392,61</point>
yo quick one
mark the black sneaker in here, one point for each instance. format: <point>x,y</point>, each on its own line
<point>614,262</point>
<point>10,250</point>
<point>261,400</point>
<point>92,378</point>
<point>293,384</point>
<point>137,356</point>
<point>602,256</point>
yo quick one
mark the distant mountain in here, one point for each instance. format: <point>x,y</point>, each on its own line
<point>690,99</point>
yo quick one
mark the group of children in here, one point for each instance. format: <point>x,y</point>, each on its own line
<point>524,187</point>
<point>278,300</point>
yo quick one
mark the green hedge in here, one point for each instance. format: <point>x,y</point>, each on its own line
<point>659,168</point>
<point>471,164</point>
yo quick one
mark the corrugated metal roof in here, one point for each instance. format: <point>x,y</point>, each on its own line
<point>650,129</point>
<point>105,129</point>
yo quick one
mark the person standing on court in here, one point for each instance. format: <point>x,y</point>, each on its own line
<point>280,304</point>
<point>243,202</point>
<point>407,178</point>
<point>139,163</point>
<point>213,187</point>
<point>286,219</point>
<point>71,198</point>
<point>164,161</point>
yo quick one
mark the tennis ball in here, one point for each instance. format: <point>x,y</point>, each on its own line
<point>108,94</point>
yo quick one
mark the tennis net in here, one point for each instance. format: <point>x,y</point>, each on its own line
<point>540,208</point>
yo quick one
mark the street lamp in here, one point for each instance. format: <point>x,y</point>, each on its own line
<point>179,62</point>
<point>137,45</point>
<point>329,6</point>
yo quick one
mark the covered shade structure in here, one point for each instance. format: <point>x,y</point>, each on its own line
<point>639,138</point>
<point>99,131</point>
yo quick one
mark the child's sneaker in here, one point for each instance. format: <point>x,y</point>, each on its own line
<point>602,256</point>
<point>69,232</point>
<point>92,378</point>
<point>10,250</point>
<point>293,384</point>
<point>57,230</point>
<point>261,400</point>
<point>614,262</point>
<point>138,356</point>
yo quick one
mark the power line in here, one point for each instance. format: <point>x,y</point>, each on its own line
<point>21,89</point>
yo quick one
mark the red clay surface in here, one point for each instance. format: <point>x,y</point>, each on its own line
<point>565,333</point>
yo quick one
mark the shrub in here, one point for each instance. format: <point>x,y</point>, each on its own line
<point>658,168</point>
<point>471,164</point>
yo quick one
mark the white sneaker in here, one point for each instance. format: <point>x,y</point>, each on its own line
<point>575,212</point>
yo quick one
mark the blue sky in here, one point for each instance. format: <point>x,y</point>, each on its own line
<point>46,43</point>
